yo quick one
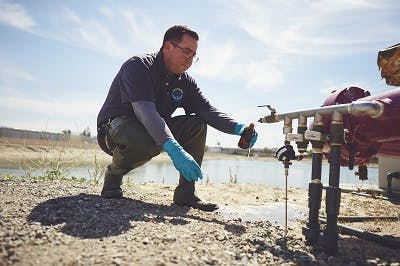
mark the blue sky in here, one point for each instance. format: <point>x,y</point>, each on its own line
<point>58,58</point>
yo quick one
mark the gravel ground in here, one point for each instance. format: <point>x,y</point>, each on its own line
<point>67,223</point>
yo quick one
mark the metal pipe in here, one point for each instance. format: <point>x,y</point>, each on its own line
<point>301,129</point>
<point>316,167</point>
<point>372,194</point>
<point>336,135</point>
<point>330,235</point>
<point>334,166</point>
<point>378,196</point>
<point>383,240</point>
<point>372,108</point>
<point>312,229</point>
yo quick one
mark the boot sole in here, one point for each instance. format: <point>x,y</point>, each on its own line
<point>200,205</point>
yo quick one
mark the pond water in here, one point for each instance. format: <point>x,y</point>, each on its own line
<point>223,170</point>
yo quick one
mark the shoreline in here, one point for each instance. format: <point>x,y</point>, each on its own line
<point>14,154</point>
<point>90,154</point>
<point>39,159</point>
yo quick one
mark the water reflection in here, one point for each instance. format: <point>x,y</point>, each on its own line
<point>222,171</point>
<point>273,212</point>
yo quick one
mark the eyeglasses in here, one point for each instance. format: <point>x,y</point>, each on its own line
<point>187,52</point>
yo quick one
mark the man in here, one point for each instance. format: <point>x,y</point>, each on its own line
<point>135,122</point>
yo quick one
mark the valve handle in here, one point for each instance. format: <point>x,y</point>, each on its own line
<point>273,110</point>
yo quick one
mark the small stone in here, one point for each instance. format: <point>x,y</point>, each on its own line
<point>229,253</point>
<point>220,237</point>
<point>161,263</point>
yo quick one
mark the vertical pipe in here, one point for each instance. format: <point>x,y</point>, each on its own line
<point>331,235</point>
<point>287,128</point>
<point>311,230</point>
<point>334,165</point>
<point>301,128</point>
<point>316,165</point>
<point>317,149</point>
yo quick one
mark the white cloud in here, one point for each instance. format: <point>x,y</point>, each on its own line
<point>12,73</point>
<point>312,27</point>
<point>107,12</point>
<point>343,5</point>
<point>89,33</point>
<point>226,62</point>
<point>262,75</point>
<point>38,111</point>
<point>115,32</point>
<point>65,25</point>
<point>15,15</point>
<point>285,33</point>
<point>142,29</point>
<point>217,58</point>
<point>12,99</point>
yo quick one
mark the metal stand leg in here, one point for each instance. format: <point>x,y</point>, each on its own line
<point>286,164</point>
<point>312,229</point>
<point>330,235</point>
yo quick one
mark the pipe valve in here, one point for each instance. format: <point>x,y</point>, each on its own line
<point>315,135</point>
<point>269,118</point>
<point>295,137</point>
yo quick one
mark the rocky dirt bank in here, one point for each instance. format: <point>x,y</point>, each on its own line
<point>67,223</point>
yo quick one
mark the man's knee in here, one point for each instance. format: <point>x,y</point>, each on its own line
<point>133,145</point>
<point>189,125</point>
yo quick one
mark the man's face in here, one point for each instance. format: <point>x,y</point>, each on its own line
<point>179,56</point>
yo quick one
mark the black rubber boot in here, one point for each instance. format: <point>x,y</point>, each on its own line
<point>185,195</point>
<point>112,186</point>
<point>190,132</point>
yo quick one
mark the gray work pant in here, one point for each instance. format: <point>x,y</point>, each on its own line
<point>132,146</point>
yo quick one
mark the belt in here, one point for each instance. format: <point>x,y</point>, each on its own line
<point>104,127</point>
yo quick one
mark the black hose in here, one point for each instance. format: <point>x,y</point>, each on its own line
<point>365,218</point>
<point>383,240</point>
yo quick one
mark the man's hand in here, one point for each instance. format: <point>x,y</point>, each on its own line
<point>183,161</point>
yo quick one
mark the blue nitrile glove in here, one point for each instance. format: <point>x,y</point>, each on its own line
<point>183,161</point>
<point>238,130</point>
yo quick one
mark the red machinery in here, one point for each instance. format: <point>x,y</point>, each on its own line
<point>366,136</point>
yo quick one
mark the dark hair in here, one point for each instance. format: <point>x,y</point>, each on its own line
<point>176,32</point>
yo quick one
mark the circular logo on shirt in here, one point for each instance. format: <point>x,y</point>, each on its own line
<point>177,94</point>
